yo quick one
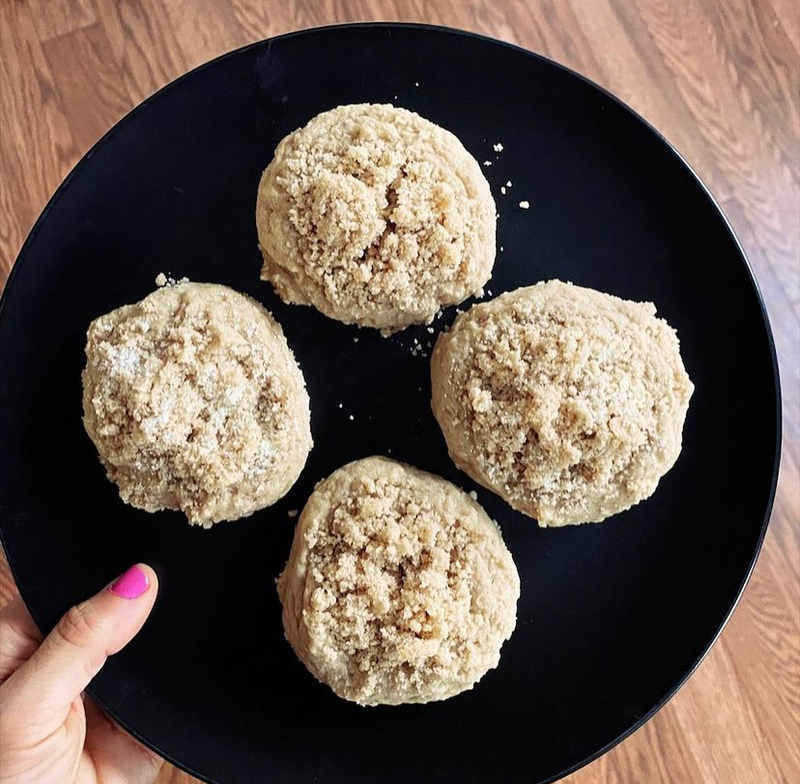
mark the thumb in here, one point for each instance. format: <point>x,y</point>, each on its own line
<point>73,653</point>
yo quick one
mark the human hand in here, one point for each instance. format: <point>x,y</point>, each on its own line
<point>50,733</point>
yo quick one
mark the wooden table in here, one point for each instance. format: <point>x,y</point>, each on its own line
<point>718,77</point>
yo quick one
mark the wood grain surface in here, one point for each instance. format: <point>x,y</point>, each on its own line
<point>719,78</point>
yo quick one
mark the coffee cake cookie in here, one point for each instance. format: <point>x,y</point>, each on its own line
<point>567,402</point>
<point>376,217</point>
<point>195,402</point>
<point>399,587</point>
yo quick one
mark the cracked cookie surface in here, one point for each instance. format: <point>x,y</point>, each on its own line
<point>376,217</point>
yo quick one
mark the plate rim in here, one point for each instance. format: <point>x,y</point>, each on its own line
<point>387,25</point>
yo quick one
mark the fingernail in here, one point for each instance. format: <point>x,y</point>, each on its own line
<point>130,584</point>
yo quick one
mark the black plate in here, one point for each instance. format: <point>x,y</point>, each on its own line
<point>612,617</point>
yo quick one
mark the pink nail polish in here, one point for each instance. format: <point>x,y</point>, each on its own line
<point>130,584</point>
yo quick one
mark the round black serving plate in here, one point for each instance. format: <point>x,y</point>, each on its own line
<point>612,618</point>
